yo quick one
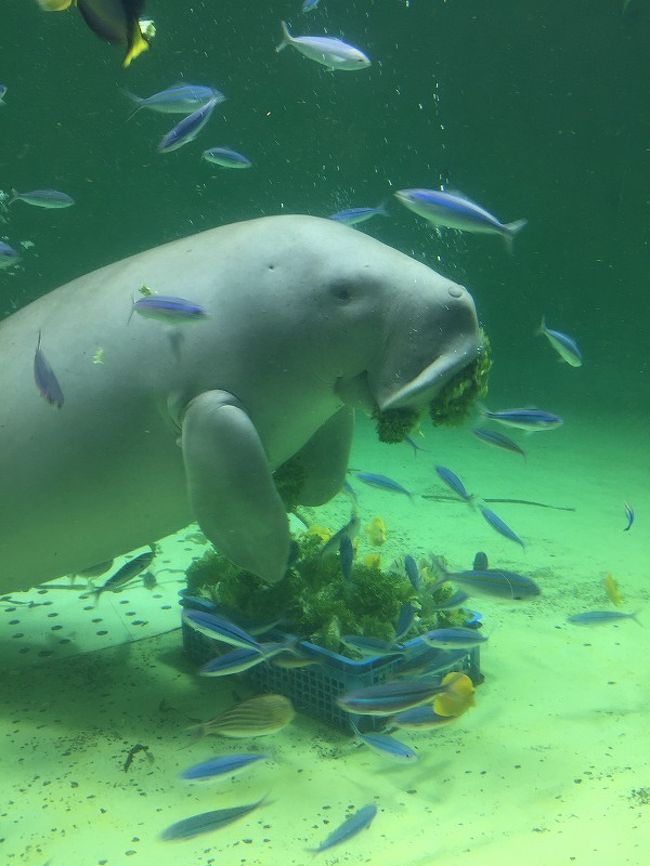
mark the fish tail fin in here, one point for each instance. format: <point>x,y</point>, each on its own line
<point>15,195</point>
<point>542,327</point>
<point>483,410</point>
<point>512,229</point>
<point>382,207</point>
<point>286,37</point>
<point>137,101</point>
<point>635,617</point>
<point>137,45</point>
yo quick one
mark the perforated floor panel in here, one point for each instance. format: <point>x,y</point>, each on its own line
<point>64,617</point>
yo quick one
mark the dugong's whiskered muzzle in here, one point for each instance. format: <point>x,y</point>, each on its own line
<point>426,385</point>
<point>432,338</point>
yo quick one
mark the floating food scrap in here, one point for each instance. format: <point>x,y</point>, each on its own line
<point>376,532</point>
<point>613,591</point>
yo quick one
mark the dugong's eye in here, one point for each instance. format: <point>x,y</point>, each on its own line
<point>341,291</point>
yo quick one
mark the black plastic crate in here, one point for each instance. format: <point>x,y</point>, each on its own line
<point>314,689</point>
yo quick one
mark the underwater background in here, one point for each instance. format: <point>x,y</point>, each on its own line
<point>535,109</point>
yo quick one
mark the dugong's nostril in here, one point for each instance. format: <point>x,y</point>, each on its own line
<point>456,291</point>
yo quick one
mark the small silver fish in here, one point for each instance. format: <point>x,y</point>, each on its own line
<point>3,93</point>
<point>220,629</point>
<point>226,158</point>
<point>455,637</point>
<point>602,617</point>
<point>531,420</point>
<point>45,378</point>
<point>349,828</point>
<point>332,53</point>
<point>456,211</point>
<point>128,572</point>
<point>382,482</point>
<point>492,437</point>
<point>206,822</point>
<point>188,129</point>
<point>355,215</point>
<point>178,99</point>
<point>46,198</point>
<point>564,345</point>
<point>222,766</point>
<point>499,525</point>
<point>165,308</point>
<point>454,483</point>
<point>386,746</point>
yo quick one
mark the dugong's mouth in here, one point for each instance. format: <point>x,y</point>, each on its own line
<point>393,393</point>
<point>422,389</point>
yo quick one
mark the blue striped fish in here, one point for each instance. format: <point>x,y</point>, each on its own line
<point>224,765</point>
<point>206,822</point>
<point>349,828</point>
<point>499,525</point>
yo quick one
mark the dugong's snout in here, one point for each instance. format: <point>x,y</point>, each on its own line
<point>432,336</point>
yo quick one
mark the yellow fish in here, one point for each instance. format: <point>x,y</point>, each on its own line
<point>372,560</point>
<point>54,5</point>
<point>321,532</point>
<point>376,531</point>
<point>612,590</point>
<point>457,697</point>
<point>114,21</point>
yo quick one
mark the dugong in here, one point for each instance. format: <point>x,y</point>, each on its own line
<point>306,320</point>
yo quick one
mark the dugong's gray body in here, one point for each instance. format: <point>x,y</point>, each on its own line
<point>307,318</point>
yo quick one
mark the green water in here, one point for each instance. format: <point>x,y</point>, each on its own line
<point>535,109</point>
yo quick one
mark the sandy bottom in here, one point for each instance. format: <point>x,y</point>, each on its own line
<point>551,767</point>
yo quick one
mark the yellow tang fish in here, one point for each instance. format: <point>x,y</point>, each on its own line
<point>612,590</point>
<point>376,531</point>
<point>457,697</point>
<point>372,560</point>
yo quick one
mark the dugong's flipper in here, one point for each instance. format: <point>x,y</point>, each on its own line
<point>230,485</point>
<point>324,458</point>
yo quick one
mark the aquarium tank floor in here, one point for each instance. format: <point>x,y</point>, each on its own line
<point>552,759</point>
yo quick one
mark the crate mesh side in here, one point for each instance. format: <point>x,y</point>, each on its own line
<point>314,689</point>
